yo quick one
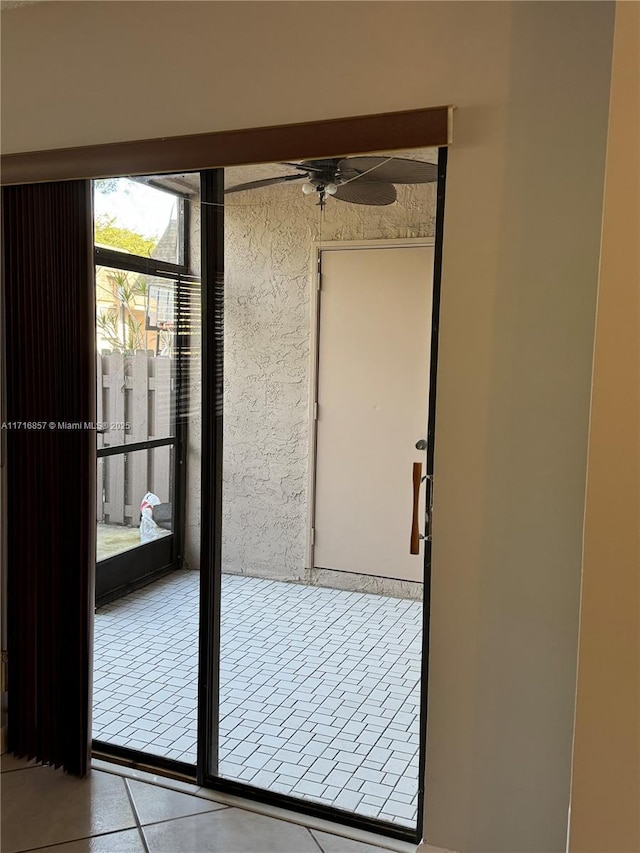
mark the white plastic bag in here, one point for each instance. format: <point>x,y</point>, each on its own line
<point>149,530</point>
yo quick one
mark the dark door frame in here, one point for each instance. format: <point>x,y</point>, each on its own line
<point>209,154</point>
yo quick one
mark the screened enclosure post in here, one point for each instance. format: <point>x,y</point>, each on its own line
<point>212,235</point>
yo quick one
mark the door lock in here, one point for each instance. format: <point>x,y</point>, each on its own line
<point>421,444</point>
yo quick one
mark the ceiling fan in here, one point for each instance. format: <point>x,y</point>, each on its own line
<point>358,180</point>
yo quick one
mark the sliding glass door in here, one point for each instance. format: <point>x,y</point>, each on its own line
<point>283,454</point>
<point>148,480</point>
<point>320,324</point>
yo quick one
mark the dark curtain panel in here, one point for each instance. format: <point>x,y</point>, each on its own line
<point>50,404</point>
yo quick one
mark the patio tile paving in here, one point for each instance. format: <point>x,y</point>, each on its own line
<point>319,688</point>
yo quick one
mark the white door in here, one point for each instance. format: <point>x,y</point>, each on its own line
<point>372,392</point>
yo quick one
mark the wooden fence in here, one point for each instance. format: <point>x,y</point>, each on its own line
<point>135,404</point>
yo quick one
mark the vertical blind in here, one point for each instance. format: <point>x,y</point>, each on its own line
<point>50,444</point>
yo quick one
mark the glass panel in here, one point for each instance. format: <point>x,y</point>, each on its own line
<point>321,607</point>
<point>136,363</point>
<point>135,499</point>
<point>138,219</point>
<point>146,621</point>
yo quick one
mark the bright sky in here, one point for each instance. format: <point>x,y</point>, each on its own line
<point>135,206</point>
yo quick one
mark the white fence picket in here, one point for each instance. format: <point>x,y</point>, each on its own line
<point>99,440</point>
<point>135,391</point>
<point>114,465</point>
<point>138,418</point>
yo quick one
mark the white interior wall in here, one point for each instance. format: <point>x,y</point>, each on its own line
<point>605,801</point>
<point>531,85</point>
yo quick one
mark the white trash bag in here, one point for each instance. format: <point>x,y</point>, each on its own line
<point>149,530</point>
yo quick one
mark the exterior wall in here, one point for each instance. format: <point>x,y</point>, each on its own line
<point>269,238</point>
<point>605,802</point>
<point>530,82</point>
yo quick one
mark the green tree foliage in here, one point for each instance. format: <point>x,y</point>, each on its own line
<point>119,326</point>
<point>107,185</point>
<point>108,233</point>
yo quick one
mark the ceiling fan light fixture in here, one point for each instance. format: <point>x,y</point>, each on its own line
<point>358,180</point>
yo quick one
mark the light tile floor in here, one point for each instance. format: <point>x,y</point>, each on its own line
<point>117,811</point>
<point>319,691</point>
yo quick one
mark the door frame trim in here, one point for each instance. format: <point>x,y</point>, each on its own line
<point>429,127</point>
<point>317,248</point>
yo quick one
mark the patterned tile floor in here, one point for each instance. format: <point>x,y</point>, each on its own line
<point>319,688</point>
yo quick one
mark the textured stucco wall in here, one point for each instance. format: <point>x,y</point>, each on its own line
<point>268,242</point>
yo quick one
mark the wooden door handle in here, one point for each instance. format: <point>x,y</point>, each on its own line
<point>415,525</point>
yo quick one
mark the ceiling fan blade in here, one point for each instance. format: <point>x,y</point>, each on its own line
<point>265,182</point>
<point>328,164</point>
<point>305,166</point>
<point>374,192</point>
<point>397,170</point>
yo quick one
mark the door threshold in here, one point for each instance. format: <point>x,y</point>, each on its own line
<point>174,780</point>
<point>130,759</point>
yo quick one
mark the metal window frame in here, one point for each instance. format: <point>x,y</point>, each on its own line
<point>154,560</point>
